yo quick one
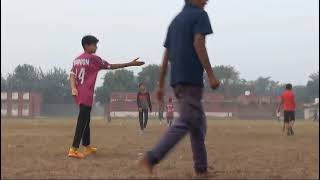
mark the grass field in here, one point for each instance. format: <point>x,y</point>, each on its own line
<point>236,149</point>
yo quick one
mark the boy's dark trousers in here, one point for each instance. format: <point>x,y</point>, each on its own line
<point>169,121</point>
<point>192,120</point>
<point>143,118</point>
<point>161,115</point>
<point>83,127</point>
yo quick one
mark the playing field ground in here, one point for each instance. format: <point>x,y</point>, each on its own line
<point>236,149</point>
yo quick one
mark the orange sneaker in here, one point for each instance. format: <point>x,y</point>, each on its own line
<point>74,153</point>
<point>89,150</point>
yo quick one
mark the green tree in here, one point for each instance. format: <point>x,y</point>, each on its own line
<point>4,86</point>
<point>231,84</point>
<point>265,86</point>
<point>149,76</point>
<point>103,95</point>
<point>301,93</point>
<point>313,85</point>
<point>25,78</point>
<point>55,87</point>
<point>116,81</point>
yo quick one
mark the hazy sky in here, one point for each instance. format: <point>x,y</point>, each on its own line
<point>277,38</point>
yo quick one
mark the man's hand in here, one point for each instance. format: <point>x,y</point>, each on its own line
<point>136,62</point>
<point>160,94</point>
<point>140,109</point>
<point>74,92</point>
<point>214,84</point>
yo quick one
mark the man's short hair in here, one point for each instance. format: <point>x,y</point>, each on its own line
<point>89,39</point>
<point>289,86</point>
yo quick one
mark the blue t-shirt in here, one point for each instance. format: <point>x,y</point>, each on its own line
<point>185,65</point>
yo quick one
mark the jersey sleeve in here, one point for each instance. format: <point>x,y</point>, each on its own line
<point>202,25</point>
<point>102,64</point>
<point>73,70</point>
<point>167,40</point>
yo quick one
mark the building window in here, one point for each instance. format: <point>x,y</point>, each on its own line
<point>3,104</point>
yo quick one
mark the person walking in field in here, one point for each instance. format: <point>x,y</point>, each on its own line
<point>288,104</point>
<point>144,103</point>
<point>170,112</point>
<point>316,116</point>
<point>82,80</point>
<point>161,110</point>
<point>278,115</point>
<point>186,51</point>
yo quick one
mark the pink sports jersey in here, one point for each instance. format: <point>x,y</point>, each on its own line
<point>170,110</point>
<point>86,68</point>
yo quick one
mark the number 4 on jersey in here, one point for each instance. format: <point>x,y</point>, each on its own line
<point>81,75</point>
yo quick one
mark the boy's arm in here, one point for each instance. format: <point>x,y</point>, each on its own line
<point>74,90</point>
<point>132,63</point>
<point>138,101</point>
<point>163,72</point>
<point>201,50</point>
<point>149,101</point>
<point>281,103</point>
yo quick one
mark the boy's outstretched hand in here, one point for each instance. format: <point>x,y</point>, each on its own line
<point>136,62</point>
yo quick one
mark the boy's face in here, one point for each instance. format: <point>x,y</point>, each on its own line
<point>91,48</point>
<point>142,88</point>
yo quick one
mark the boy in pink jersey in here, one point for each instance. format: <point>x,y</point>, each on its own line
<point>82,80</point>
<point>170,112</point>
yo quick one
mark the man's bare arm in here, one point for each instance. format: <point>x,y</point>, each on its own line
<point>163,72</point>
<point>74,90</point>
<point>132,63</point>
<point>281,103</point>
<point>163,68</point>
<point>201,50</point>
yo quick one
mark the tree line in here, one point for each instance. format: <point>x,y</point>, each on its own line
<point>55,89</point>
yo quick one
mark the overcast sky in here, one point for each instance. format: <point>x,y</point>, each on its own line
<point>277,38</point>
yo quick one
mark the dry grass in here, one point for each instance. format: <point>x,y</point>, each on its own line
<point>236,149</point>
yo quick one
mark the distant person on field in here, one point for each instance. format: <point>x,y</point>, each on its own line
<point>315,116</point>
<point>288,104</point>
<point>144,103</point>
<point>170,112</point>
<point>278,115</point>
<point>161,110</point>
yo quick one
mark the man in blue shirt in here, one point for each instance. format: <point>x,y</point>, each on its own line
<point>186,51</point>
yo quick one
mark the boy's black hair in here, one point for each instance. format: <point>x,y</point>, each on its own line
<point>89,39</point>
<point>289,86</point>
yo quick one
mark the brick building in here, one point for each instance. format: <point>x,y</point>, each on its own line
<point>215,104</point>
<point>20,104</point>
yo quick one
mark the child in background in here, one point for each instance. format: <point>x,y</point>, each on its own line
<point>170,112</point>
<point>144,103</point>
<point>161,109</point>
